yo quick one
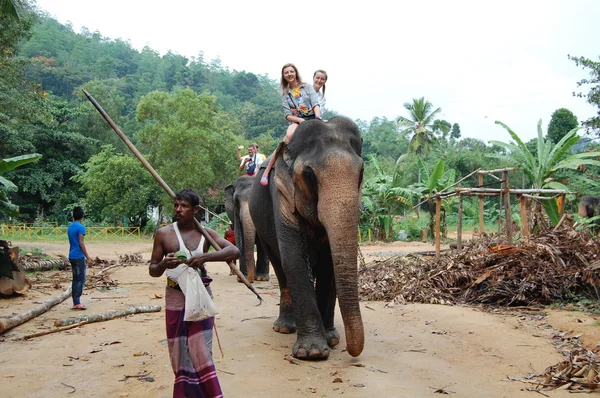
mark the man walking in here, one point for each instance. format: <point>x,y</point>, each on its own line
<point>190,342</point>
<point>77,256</point>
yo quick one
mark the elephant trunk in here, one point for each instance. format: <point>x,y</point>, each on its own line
<point>340,216</point>
<point>249,235</point>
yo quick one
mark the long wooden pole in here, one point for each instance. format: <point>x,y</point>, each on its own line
<point>9,323</point>
<point>169,191</point>
<point>438,210</point>
<point>507,211</point>
<point>459,227</point>
<point>524,220</point>
<point>480,199</point>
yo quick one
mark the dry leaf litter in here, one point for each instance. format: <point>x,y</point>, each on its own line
<point>556,265</point>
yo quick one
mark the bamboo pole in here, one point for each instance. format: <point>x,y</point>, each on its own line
<point>45,332</point>
<point>9,323</point>
<point>107,316</point>
<point>459,226</point>
<point>498,170</point>
<point>512,191</point>
<point>169,191</point>
<point>507,211</point>
<point>438,210</point>
<point>524,220</point>
<point>480,199</point>
<point>539,197</point>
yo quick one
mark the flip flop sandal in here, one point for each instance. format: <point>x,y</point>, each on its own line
<point>264,180</point>
<point>79,307</point>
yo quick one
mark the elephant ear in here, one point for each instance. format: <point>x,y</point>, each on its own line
<point>283,180</point>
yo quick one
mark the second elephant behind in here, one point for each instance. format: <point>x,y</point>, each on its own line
<point>236,206</point>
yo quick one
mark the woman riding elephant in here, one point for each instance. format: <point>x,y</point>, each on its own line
<point>308,219</point>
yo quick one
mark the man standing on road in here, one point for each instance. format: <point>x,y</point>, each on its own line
<point>190,343</point>
<point>77,256</point>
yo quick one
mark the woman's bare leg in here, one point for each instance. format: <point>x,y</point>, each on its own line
<point>288,136</point>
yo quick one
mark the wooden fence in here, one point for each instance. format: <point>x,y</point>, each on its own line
<point>30,232</point>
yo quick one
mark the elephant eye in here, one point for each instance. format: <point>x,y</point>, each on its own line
<point>309,176</point>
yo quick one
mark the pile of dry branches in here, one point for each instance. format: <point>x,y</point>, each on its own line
<point>555,265</point>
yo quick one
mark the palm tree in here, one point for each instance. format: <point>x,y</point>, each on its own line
<point>420,124</point>
<point>11,8</point>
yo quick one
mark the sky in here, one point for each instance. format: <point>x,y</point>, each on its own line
<point>480,61</point>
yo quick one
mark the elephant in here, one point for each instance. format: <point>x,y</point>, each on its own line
<point>307,217</point>
<point>589,206</point>
<point>236,206</point>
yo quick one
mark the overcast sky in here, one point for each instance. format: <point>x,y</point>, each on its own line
<point>479,61</point>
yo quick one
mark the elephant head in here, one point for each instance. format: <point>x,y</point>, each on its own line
<point>319,176</point>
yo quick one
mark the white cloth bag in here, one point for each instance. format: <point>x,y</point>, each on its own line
<point>198,303</point>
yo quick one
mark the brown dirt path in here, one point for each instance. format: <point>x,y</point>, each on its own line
<point>410,351</point>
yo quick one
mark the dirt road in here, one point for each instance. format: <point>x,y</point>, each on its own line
<point>411,350</point>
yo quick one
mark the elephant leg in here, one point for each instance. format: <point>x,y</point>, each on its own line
<point>311,341</point>
<point>262,261</point>
<point>326,294</point>
<point>286,321</point>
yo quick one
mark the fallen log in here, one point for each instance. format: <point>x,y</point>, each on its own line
<point>44,265</point>
<point>107,316</point>
<point>9,323</point>
<point>45,332</point>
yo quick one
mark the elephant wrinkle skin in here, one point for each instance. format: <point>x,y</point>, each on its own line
<point>308,220</point>
<point>236,206</point>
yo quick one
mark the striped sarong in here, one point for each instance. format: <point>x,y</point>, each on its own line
<point>190,349</point>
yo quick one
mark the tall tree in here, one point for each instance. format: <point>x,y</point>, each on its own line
<point>188,141</point>
<point>11,8</point>
<point>593,96</point>
<point>420,123</point>
<point>455,133</point>
<point>562,121</point>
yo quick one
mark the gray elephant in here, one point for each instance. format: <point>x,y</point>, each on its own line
<point>589,206</point>
<point>236,206</point>
<point>308,219</point>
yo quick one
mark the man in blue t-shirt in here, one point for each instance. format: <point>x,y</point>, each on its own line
<point>77,256</point>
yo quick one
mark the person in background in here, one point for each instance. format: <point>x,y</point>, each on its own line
<point>295,94</point>
<point>229,236</point>
<point>259,156</point>
<point>248,164</point>
<point>78,256</point>
<point>190,342</point>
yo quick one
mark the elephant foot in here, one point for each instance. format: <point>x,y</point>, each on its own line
<point>262,278</point>
<point>284,325</point>
<point>311,348</point>
<point>333,337</point>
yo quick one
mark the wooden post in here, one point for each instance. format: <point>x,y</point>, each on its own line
<point>524,220</point>
<point>561,205</point>
<point>438,210</point>
<point>480,183</point>
<point>459,226</point>
<point>507,212</point>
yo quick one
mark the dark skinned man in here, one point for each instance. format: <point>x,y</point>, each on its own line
<point>190,343</point>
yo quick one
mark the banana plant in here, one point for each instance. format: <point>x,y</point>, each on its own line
<point>7,186</point>
<point>541,168</point>
<point>435,181</point>
<point>382,199</point>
